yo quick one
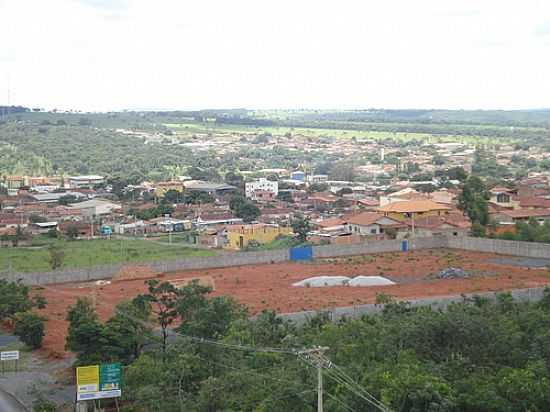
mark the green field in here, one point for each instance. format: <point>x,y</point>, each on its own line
<point>203,128</point>
<point>86,253</point>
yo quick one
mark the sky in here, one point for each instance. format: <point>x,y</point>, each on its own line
<point>97,55</point>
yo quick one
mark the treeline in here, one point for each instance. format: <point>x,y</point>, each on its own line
<point>83,150</point>
<point>209,355</point>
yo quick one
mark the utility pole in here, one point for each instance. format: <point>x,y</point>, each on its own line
<point>315,356</point>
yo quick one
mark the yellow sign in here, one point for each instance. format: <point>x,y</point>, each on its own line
<point>87,379</point>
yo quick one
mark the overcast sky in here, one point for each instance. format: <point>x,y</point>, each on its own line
<point>189,54</point>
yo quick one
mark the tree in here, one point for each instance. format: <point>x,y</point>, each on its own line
<point>56,256</point>
<point>301,227</point>
<point>16,298</point>
<point>86,335</point>
<point>29,327</point>
<point>204,317</point>
<point>344,191</point>
<point>473,200</point>
<point>243,208</point>
<point>318,187</point>
<point>37,219</point>
<point>67,199</point>
<point>285,196</point>
<point>342,170</point>
<point>478,230</point>
<point>234,179</point>
<point>19,235</point>
<point>72,231</point>
<point>163,298</point>
<point>128,330</point>
<point>248,212</point>
<point>173,196</point>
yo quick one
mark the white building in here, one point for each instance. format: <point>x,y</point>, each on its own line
<point>263,185</point>
<point>85,181</point>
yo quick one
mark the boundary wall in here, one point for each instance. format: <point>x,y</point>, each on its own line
<point>504,247</point>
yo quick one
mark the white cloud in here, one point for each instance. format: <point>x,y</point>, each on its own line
<point>99,54</point>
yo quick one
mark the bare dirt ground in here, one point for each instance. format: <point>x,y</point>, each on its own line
<point>269,286</point>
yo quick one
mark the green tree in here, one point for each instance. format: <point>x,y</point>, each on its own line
<point>16,298</point>
<point>71,232</point>
<point>244,209</point>
<point>29,327</point>
<point>163,298</point>
<point>301,227</point>
<point>128,330</point>
<point>86,336</point>
<point>56,256</point>
<point>473,200</point>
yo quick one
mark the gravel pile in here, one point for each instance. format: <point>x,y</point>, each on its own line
<point>453,273</point>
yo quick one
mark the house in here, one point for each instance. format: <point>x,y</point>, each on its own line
<point>323,200</point>
<point>83,229</point>
<point>85,181</point>
<point>452,224</point>
<point>503,197</point>
<point>260,189</point>
<point>240,236</point>
<point>54,197</point>
<point>317,178</point>
<point>214,189</point>
<point>333,236</point>
<point>43,227</point>
<point>522,215</point>
<point>214,237</point>
<point>166,224</point>
<point>372,224</point>
<point>413,209</point>
<point>96,208</point>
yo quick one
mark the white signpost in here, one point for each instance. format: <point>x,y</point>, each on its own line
<point>11,355</point>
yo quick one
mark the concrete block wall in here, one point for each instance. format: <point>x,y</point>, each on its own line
<point>503,247</point>
<point>436,303</point>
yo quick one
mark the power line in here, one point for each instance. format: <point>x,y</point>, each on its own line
<point>313,357</point>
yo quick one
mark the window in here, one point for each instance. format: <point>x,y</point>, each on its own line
<point>503,198</point>
<point>373,231</point>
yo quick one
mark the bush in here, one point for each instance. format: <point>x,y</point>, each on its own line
<point>30,329</point>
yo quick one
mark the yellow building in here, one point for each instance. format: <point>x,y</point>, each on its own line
<point>408,209</point>
<point>239,236</point>
<point>162,187</point>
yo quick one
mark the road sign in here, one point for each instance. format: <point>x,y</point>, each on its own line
<point>9,355</point>
<point>98,382</point>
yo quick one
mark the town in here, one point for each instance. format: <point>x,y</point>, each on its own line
<point>290,206</point>
<point>397,193</point>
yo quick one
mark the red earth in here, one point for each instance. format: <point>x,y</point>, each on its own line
<point>268,286</point>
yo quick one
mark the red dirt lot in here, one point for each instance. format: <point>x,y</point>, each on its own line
<point>269,286</point>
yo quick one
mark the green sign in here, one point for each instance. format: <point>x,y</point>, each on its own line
<point>109,377</point>
<point>98,382</point>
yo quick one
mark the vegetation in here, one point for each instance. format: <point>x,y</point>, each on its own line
<point>531,231</point>
<point>86,253</point>
<point>478,355</point>
<point>29,327</point>
<point>301,227</point>
<point>473,200</point>
<point>244,209</point>
<point>16,304</point>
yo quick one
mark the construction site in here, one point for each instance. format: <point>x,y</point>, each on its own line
<point>406,275</point>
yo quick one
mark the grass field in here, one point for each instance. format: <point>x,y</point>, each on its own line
<point>86,253</point>
<point>196,127</point>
